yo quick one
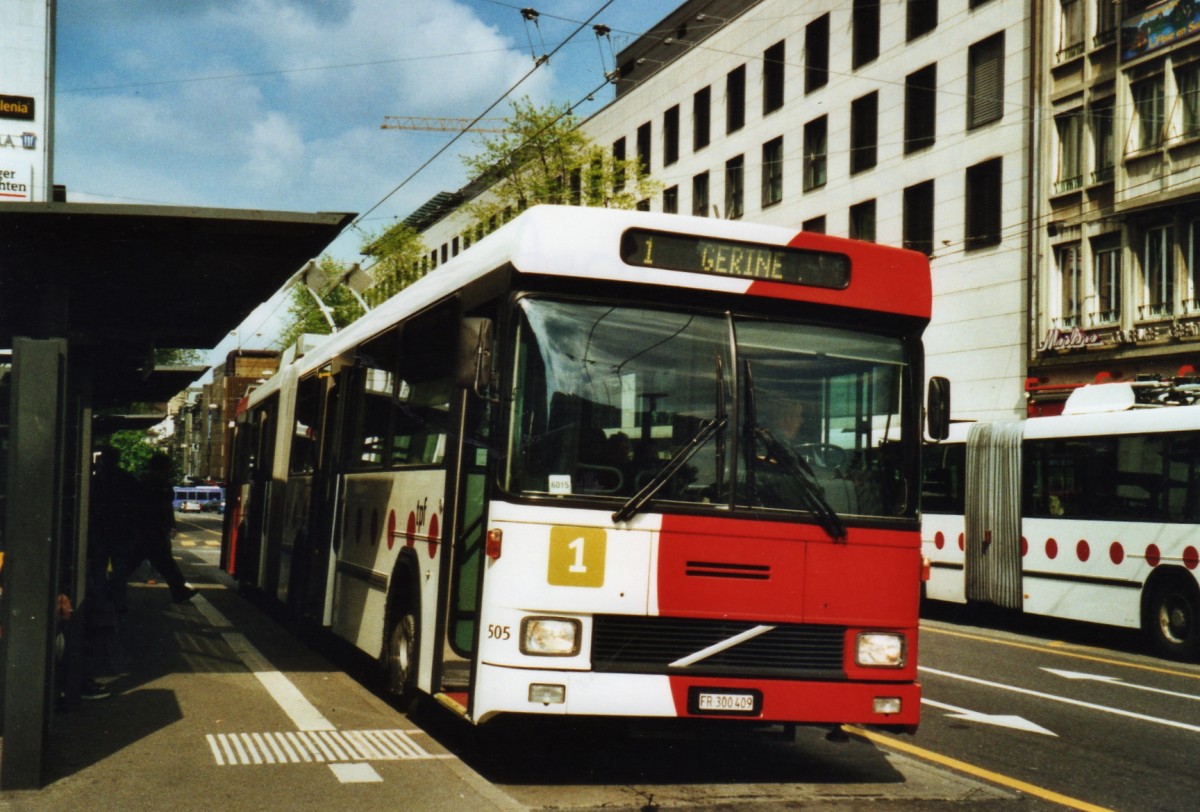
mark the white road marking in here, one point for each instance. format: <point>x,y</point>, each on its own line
<point>1014,722</point>
<point>318,740</point>
<point>1065,700</point>
<point>214,617</point>
<point>1077,675</point>
<point>355,773</point>
<point>316,746</point>
<point>282,690</point>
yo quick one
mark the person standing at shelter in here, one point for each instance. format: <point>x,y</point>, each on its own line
<point>156,520</point>
<point>113,529</point>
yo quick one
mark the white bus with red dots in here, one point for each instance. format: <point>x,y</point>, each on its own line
<point>1091,515</point>
<point>612,463</point>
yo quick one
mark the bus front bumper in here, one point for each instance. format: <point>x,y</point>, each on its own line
<point>502,689</point>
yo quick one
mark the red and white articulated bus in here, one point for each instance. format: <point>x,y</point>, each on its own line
<point>611,463</point>
<point>1090,515</point>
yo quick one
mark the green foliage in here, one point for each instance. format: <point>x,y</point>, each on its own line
<point>397,252</point>
<point>178,357</point>
<point>135,452</point>
<point>305,316</point>
<point>543,157</point>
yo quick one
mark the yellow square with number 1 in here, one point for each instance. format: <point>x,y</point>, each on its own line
<point>576,556</point>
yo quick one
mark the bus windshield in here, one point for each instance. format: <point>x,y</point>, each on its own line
<point>605,397</point>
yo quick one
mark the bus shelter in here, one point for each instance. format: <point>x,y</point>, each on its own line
<point>87,293</point>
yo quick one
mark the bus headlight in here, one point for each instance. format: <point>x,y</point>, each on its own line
<point>550,636</point>
<point>879,650</point>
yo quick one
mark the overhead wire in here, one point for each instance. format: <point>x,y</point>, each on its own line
<point>442,150</point>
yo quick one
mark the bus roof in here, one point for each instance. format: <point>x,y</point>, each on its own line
<point>585,242</point>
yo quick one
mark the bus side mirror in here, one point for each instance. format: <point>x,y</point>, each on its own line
<point>474,367</point>
<point>937,408</point>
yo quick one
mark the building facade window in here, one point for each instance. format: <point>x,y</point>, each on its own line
<point>701,118</point>
<point>985,81</point>
<point>1187,79</point>
<point>816,54</point>
<point>618,153</point>
<point>815,147</point>
<point>983,199</point>
<point>1106,280</point>
<point>920,18</point>
<point>1158,273</point>
<point>773,64</point>
<point>1191,296</point>
<point>735,188</point>
<point>671,200</point>
<point>772,172</point>
<point>1102,141</point>
<point>862,221</point>
<point>1106,24</point>
<point>1070,151</point>
<point>735,99</point>
<point>814,225</point>
<point>1069,304</point>
<point>864,43</point>
<point>1070,29</point>
<point>918,217</point>
<point>671,136</point>
<point>864,131</point>
<point>1148,113</point>
<point>644,141</point>
<point>700,195</point>
<point>920,109</point>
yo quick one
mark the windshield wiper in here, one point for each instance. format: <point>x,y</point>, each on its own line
<point>809,489</point>
<point>636,502</point>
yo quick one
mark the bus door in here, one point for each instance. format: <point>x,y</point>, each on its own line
<point>468,536</point>
<point>992,519</point>
<point>252,519</point>
<point>312,561</point>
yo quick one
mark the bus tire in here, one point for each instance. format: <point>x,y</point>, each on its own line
<point>1171,617</point>
<point>402,644</point>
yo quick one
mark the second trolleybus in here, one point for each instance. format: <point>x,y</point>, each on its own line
<point>1092,515</point>
<point>611,463</point>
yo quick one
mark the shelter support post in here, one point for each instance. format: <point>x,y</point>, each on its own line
<point>31,560</point>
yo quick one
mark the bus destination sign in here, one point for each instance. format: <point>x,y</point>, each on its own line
<point>685,252</point>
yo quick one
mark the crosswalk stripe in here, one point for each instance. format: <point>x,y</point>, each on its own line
<point>322,746</point>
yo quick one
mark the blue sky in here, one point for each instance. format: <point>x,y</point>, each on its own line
<point>277,104</point>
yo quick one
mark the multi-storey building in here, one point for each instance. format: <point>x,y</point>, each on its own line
<point>906,123</point>
<point>213,412</point>
<point>1117,290</point>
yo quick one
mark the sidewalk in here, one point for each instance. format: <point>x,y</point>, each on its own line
<point>214,704</point>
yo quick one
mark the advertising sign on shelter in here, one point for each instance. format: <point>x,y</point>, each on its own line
<point>26,104</point>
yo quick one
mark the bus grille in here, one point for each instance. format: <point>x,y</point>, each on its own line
<point>648,645</point>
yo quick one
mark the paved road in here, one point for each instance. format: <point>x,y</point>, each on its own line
<point>216,705</point>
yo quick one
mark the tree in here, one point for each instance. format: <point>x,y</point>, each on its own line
<point>177,357</point>
<point>543,157</point>
<point>304,314</point>
<point>397,252</point>
<point>133,449</point>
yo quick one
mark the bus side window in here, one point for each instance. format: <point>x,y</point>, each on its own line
<point>1140,469</point>
<point>944,487</point>
<point>1183,478</point>
<point>422,414</point>
<point>303,459</point>
<point>373,397</point>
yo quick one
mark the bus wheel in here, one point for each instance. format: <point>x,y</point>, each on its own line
<point>1171,619</point>
<point>402,653</point>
